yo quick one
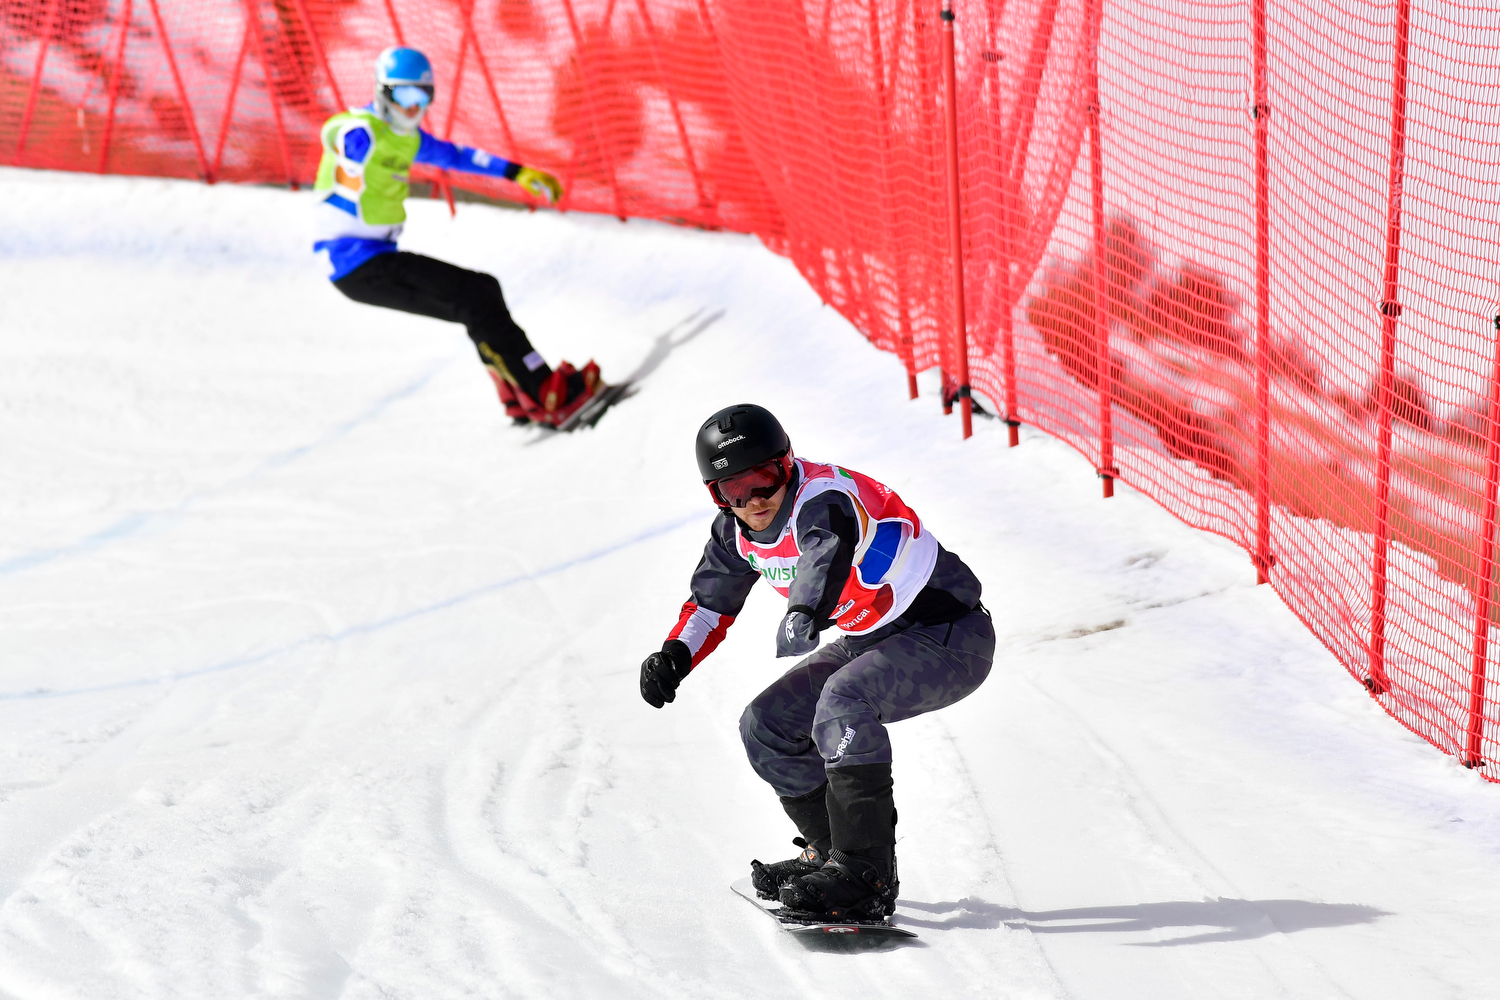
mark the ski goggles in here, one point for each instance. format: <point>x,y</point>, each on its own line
<point>761,480</point>
<point>407,95</point>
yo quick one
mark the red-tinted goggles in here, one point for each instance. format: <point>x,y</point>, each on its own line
<point>760,480</point>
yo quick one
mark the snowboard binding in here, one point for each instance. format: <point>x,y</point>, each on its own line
<point>768,879</point>
<point>857,887</point>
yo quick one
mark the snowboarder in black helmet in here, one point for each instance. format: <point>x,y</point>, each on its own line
<point>847,554</point>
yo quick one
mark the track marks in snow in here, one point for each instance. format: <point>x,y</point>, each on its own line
<point>954,872</point>
<point>1168,893</point>
<point>517,807</point>
<point>157,520</point>
<point>105,914</point>
<point>1126,814</point>
<point>1158,836</point>
<point>334,637</point>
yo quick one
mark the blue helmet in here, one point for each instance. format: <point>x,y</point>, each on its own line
<point>401,65</point>
<point>403,88</point>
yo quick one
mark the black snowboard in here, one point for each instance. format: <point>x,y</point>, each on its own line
<point>589,413</point>
<point>812,926</point>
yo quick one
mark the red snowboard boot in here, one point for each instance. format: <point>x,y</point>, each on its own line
<point>510,398</point>
<point>565,391</point>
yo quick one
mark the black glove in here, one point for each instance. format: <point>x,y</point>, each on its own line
<point>798,633</point>
<point>662,672</point>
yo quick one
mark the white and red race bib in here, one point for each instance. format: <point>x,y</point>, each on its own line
<point>893,559</point>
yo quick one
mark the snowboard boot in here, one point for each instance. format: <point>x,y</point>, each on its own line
<point>857,885</point>
<point>768,879</point>
<point>810,815</point>
<point>859,881</point>
<point>565,391</point>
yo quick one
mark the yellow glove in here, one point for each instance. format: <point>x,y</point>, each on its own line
<point>540,183</point>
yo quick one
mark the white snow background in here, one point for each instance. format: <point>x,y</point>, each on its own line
<point>318,679</point>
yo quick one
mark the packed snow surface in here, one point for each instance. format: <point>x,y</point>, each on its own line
<point>318,679</point>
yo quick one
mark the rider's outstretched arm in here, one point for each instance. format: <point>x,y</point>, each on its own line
<point>720,585</point>
<point>445,155</point>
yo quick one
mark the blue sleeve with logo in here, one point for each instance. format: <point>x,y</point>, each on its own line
<point>440,153</point>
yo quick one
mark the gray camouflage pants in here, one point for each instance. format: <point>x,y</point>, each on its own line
<point>832,708</point>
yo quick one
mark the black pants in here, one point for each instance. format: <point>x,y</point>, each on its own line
<point>416,284</point>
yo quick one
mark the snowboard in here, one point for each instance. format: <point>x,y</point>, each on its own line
<point>809,925</point>
<point>600,403</point>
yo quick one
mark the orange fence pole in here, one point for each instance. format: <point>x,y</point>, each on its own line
<point>317,44</point>
<point>1008,326</point>
<point>955,221</point>
<point>489,83</point>
<point>36,78</point>
<point>390,10</point>
<point>234,89</point>
<point>1014,175</point>
<point>187,107</point>
<point>252,16</point>
<point>903,335</point>
<point>1390,309</point>
<point>682,132</point>
<point>114,86</point>
<point>1484,599</point>
<point>1262,555</point>
<point>458,83</point>
<point>1010,218</point>
<point>1000,283</point>
<point>929,150</point>
<point>1107,471</point>
<point>588,96</point>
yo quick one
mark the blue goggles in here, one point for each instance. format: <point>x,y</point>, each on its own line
<point>409,94</point>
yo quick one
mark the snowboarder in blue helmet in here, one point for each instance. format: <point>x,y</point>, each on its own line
<point>362,180</point>
<point>849,555</point>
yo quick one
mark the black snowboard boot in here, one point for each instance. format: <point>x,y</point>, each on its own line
<point>859,881</point>
<point>855,886</point>
<point>768,879</point>
<point>810,815</point>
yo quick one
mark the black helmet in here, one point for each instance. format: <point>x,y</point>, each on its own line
<point>738,437</point>
<point>743,453</point>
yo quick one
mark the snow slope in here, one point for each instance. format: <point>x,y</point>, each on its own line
<point>317,679</point>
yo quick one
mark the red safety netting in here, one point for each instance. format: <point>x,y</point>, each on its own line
<point>1241,254</point>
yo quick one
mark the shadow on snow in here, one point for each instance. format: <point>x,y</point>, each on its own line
<point>1219,919</point>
